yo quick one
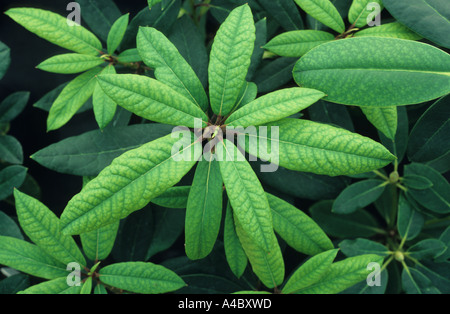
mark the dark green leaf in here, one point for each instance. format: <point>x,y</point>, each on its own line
<point>358,195</point>
<point>358,224</point>
<point>10,178</point>
<point>13,105</point>
<point>362,246</point>
<point>430,137</point>
<point>10,150</point>
<point>427,249</point>
<point>91,152</point>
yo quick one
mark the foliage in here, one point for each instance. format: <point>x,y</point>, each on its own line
<point>225,90</point>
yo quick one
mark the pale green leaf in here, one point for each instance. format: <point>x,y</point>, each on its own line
<point>55,286</point>
<point>54,28</point>
<point>104,107</point>
<point>393,30</point>
<point>230,59</point>
<point>297,229</point>
<point>42,226</point>
<point>29,258</point>
<point>360,11</point>
<point>274,106</point>
<point>319,148</point>
<point>383,118</point>
<point>141,278</point>
<point>175,197</point>
<point>204,210</point>
<point>98,244</point>
<point>323,11</point>
<point>267,265</point>
<point>117,32</point>
<point>130,182</point>
<point>151,99</point>
<point>71,99</point>
<point>344,274</point>
<point>312,271</point>
<point>246,195</point>
<point>70,63</point>
<point>235,254</point>
<point>297,43</point>
<point>170,67</point>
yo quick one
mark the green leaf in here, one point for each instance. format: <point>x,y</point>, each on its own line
<point>274,106</point>
<point>129,56</point>
<point>319,148</point>
<point>159,18</point>
<point>383,118</point>
<point>87,286</point>
<point>99,15</point>
<point>235,254</point>
<point>361,246</point>
<point>230,59</point>
<point>297,43</point>
<point>55,286</point>
<point>55,29</point>
<point>248,200</point>
<point>98,244</point>
<point>247,95</point>
<point>29,258</point>
<point>284,12</point>
<point>134,236</point>
<point>393,30</point>
<point>117,33</point>
<point>364,288</point>
<point>100,289</point>
<point>104,107</point>
<point>415,282</point>
<point>14,284</point>
<point>175,197</point>
<point>344,274</point>
<point>130,182</point>
<point>8,227</point>
<point>170,67</point>
<point>168,226</point>
<point>429,139</point>
<point>186,36</point>
<point>414,72</point>
<point>151,3</point>
<point>89,153</point>
<point>11,177</point>
<point>311,272</point>
<point>268,265</point>
<point>330,113</point>
<point>5,59</point>
<point>416,182</point>
<point>42,226</point>
<point>10,150</point>
<point>258,51</point>
<point>274,74</point>
<point>301,184</point>
<point>426,249</point>
<point>70,63</point>
<point>323,11</point>
<point>410,221</point>
<point>438,273</point>
<point>358,195</point>
<point>297,229</point>
<point>151,99</point>
<point>398,146</point>
<point>141,277</point>
<point>71,99</point>
<point>434,22</point>
<point>13,105</point>
<point>436,198</point>
<point>359,11</point>
<point>358,224</point>
<point>204,210</point>
<point>445,238</point>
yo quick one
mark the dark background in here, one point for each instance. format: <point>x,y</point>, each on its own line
<point>27,51</point>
